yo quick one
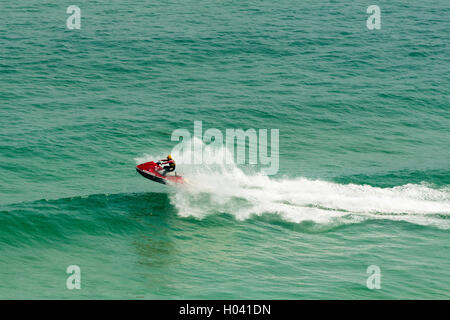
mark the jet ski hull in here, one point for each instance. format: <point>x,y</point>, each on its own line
<point>150,170</point>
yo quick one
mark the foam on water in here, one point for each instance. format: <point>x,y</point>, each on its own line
<point>226,188</point>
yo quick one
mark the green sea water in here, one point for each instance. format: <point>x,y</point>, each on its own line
<point>363,119</point>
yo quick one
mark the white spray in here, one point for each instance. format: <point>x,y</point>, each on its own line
<point>225,188</point>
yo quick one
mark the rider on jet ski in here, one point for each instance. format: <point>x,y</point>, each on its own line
<point>170,164</point>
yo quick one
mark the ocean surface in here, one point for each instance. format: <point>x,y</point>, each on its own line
<point>364,147</point>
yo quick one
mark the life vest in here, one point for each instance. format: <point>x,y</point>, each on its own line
<point>171,163</point>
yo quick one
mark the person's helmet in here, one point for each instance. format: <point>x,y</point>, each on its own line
<point>169,157</point>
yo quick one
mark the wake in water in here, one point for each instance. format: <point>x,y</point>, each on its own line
<point>225,188</point>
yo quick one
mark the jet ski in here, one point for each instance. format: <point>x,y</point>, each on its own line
<point>150,170</point>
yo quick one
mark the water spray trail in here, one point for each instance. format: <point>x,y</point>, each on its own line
<point>218,187</point>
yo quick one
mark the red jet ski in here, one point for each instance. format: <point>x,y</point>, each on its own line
<point>150,170</point>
